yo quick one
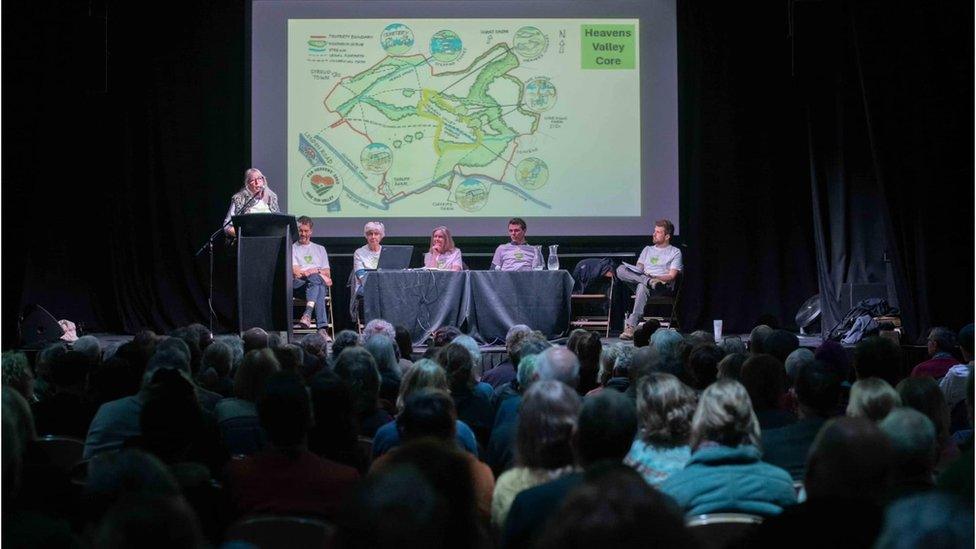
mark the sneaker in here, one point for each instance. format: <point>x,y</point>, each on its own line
<point>628,333</point>
<point>306,321</point>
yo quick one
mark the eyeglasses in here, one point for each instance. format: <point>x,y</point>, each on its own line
<point>256,179</point>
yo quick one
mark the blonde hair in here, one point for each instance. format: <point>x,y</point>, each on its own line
<point>724,415</point>
<point>376,226</point>
<point>448,239</point>
<point>425,374</point>
<point>872,398</point>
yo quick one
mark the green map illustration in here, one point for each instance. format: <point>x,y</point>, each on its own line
<point>442,118</point>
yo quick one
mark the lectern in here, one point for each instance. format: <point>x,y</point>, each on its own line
<point>264,277</point>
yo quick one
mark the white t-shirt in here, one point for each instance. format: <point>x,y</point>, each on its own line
<point>364,258</point>
<point>516,257</point>
<point>659,261</point>
<point>309,256</point>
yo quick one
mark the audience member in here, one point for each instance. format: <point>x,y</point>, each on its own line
<point>404,345</point>
<point>67,411</point>
<point>607,424</point>
<point>384,353</point>
<point>616,510</point>
<point>89,346</point>
<point>932,521</point>
<point>291,357</point>
<point>913,439</point>
<point>316,354</point>
<point>237,416</point>
<point>733,344</point>
<point>765,379</point>
<point>872,398</point>
<point>544,452</point>
<point>797,360</point>
<point>817,394</point>
<point>588,349</point>
<point>471,398</point>
<point>505,371</point>
<point>644,331</point>
<point>923,394</point>
<point>344,340</point>
<point>378,326</point>
<point>255,339</point>
<point>756,338</point>
<point>426,374</point>
<point>780,344</point>
<point>335,428</point>
<point>287,478</point>
<point>941,343</point>
<point>725,472</point>
<point>430,413</point>
<point>877,357</point>
<point>42,368</point>
<point>953,384</point>
<point>150,520</point>
<point>17,375</point>
<point>836,357</point>
<point>730,367</point>
<point>665,407</point>
<point>702,365</point>
<point>846,479</point>
<point>218,358</point>
<point>357,368</point>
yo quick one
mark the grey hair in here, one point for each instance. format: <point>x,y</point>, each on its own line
<point>378,326</point>
<point>724,415</point>
<point>732,345</point>
<point>471,345</point>
<point>89,346</point>
<point>376,226</point>
<point>797,360</point>
<point>560,364</point>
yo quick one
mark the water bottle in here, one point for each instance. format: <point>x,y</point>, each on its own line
<point>537,264</point>
<point>553,258</point>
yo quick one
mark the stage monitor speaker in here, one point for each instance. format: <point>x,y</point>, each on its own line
<point>38,328</point>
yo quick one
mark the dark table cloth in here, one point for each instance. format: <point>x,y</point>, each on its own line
<point>483,304</point>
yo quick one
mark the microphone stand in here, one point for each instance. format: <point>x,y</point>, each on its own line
<point>208,245</point>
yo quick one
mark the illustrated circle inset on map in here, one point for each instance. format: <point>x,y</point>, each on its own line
<point>532,173</point>
<point>445,46</point>
<point>396,39</point>
<point>321,185</point>
<point>540,94</point>
<point>471,194</point>
<point>530,42</point>
<point>376,158</point>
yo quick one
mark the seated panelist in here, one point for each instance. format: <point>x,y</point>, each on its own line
<point>516,255</point>
<point>310,267</point>
<point>443,255</point>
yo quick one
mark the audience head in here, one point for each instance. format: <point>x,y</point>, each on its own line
<point>702,365</point>
<point>236,345</point>
<point>913,440</point>
<point>90,347</point>
<point>665,406</point>
<point>606,428</point>
<point>252,376</point>
<point>128,472</point>
<point>456,361</point>
<point>171,417</point>
<point>835,355</point>
<point>150,520</point>
<point>513,341</point>
<point>290,357</point>
<point>764,378</point>
<point>344,340</point>
<point>608,358</point>
<point>547,420</point>
<point>192,342</point>
<point>796,360</point>
<point>47,356</point>
<point>699,337</point>
<point>532,344</point>
<point>427,413</point>
<point>559,364</point>
<point>285,410</point>
<point>932,520</point>
<point>817,390</point>
<point>255,339</point>
<point>668,355</point>
<point>780,344</point>
<point>588,348</point>
<point>526,371</point>
<point>314,344</point>
<point>378,326</point>
<point>730,367</point>
<point>16,373</point>
<point>966,342</point>
<point>16,407</point>
<point>877,357</point>
<point>471,345</point>
<point>357,367</point>
<point>616,509</point>
<point>404,342</point>
<point>757,337</point>
<point>731,344</point>
<point>642,364</point>
<point>384,353</point>
<point>444,335</point>
<point>850,458</point>
<point>425,374</point>
<point>941,340</point>
<point>923,394</point>
<point>204,336</point>
<point>643,333</point>
<point>872,398</point>
<point>724,415</point>
<point>218,356</point>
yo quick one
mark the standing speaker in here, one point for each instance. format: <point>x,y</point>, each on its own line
<point>38,328</point>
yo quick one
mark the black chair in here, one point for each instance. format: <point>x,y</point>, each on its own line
<point>722,530</point>
<point>284,532</point>
<point>592,305</point>
<point>668,303</point>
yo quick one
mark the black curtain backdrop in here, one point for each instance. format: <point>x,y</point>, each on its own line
<point>887,90</point>
<point>123,143</point>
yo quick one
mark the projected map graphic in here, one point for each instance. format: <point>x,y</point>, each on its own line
<point>416,118</point>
